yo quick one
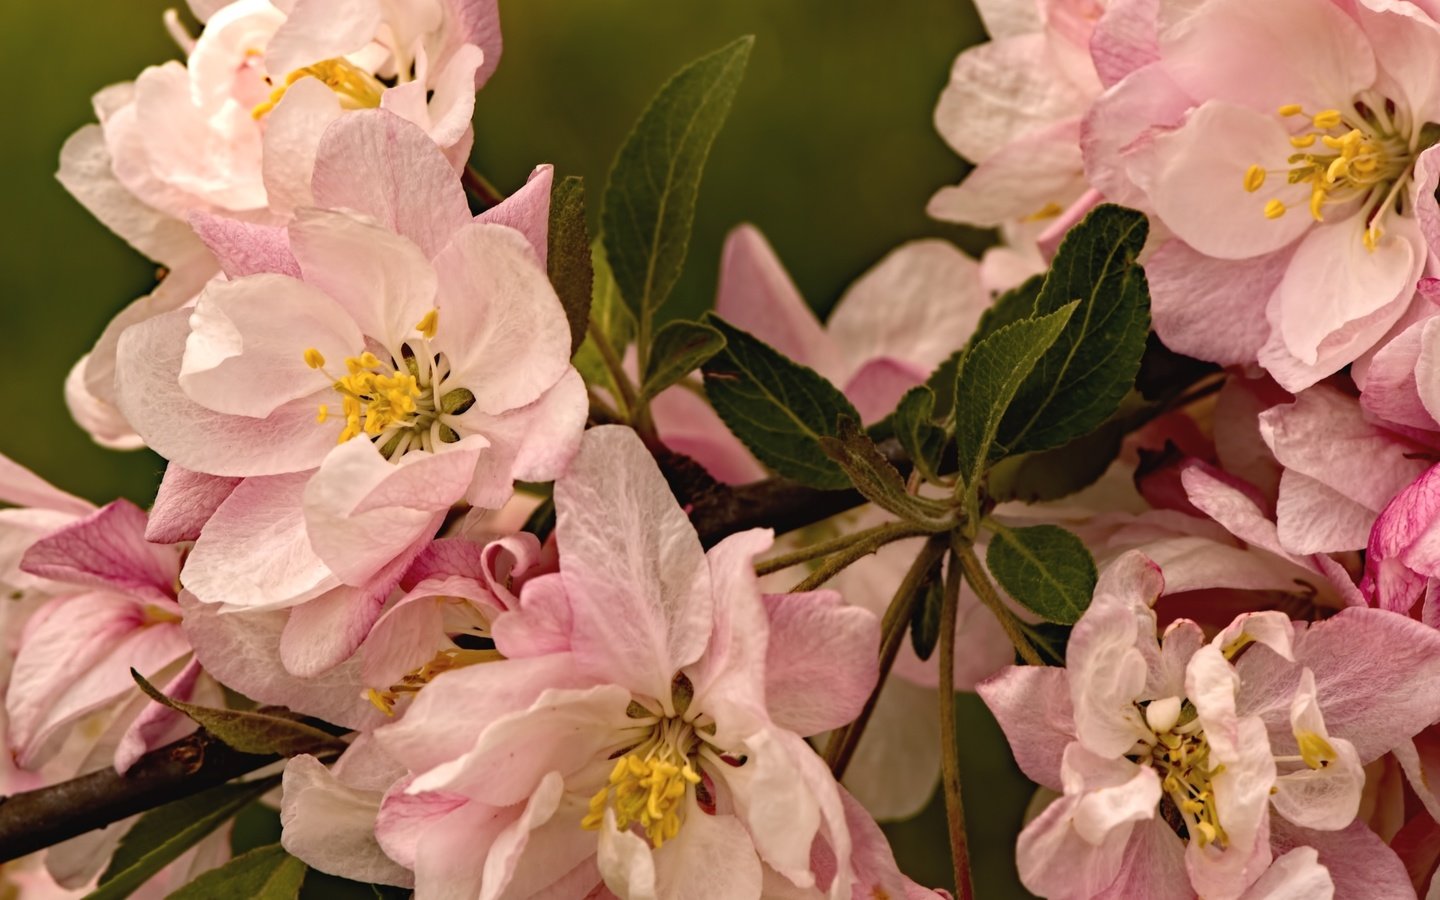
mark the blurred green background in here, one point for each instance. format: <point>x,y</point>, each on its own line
<point>830,151</point>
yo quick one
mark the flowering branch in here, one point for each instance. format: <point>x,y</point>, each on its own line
<point>949,750</point>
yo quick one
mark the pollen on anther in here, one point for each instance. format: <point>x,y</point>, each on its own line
<point>314,358</point>
<point>1254,178</point>
<point>1274,209</point>
<point>428,324</point>
<point>323,414</point>
<point>1327,118</point>
<point>1290,109</point>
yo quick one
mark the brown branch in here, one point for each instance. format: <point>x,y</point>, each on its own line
<point>37,819</point>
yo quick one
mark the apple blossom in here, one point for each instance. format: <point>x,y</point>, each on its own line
<point>1300,244</point>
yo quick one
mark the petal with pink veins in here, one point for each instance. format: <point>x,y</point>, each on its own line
<point>527,210</point>
<point>184,503</point>
<point>107,549</point>
<point>331,826</point>
<point>821,663</point>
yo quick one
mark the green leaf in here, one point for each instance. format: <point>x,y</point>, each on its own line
<point>266,873</point>
<point>1012,306</point>
<point>680,348</point>
<point>568,255</point>
<point>250,732</point>
<point>990,376</point>
<point>163,833</point>
<point>1092,365</point>
<point>1045,568</point>
<point>913,428</point>
<point>609,318</point>
<point>650,198</point>
<point>777,407</point>
<point>877,479</point>
<point>1053,474</point>
<point>925,618</point>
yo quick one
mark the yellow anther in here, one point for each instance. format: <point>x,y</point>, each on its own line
<point>645,790</point>
<point>314,358</point>
<point>427,325</point>
<point>1317,203</point>
<point>322,415</point>
<point>1048,211</point>
<point>1302,141</point>
<point>1371,238</point>
<point>1291,109</point>
<point>356,88</point>
<point>1207,833</point>
<point>1327,118</point>
<point>1315,750</point>
<point>1254,178</point>
<point>385,702</point>
<point>1274,209</point>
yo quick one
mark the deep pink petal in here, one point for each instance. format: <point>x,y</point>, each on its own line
<point>107,549</point>
<point>185,502</point>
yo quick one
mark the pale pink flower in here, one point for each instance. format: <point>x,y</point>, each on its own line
<point>1188,766</point>
<point>1291,164</point>
<point>1402,560</point>
<point>644,659</point>
<point>362,374</point>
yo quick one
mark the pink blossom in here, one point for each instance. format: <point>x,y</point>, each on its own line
<point>430,346</point>
<point>641,653</point>
<point>1298,238</point>
<point>1195,766</point>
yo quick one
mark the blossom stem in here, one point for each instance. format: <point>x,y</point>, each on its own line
<point>985,589</point>
<point>481,187</point>
<point>898,615</point>
<point>873,540</point>
<point>949,740</point>
<point>616,367</point>
<point>827,547</point>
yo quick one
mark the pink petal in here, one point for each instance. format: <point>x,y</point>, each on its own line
<point>1297,875</point>
<point>690,426</point>
<point>533,443</point>
<point>185,502</point>
<point>632,565</point>
<point>21,487</point>
<point>818,669</point>
<point>321,29</point>
<point>527,210</point>
<point>480,23</point>
<point>1032,705</point>
<point>404,818</point>
<point>1124,39</point>
<point>1153,866</point>
<point>719,844</point>
<point>158,725</point>
<point>107,549</point>
<point>1392,389</point>
<point>542,622</point>
<point>293,130</point>
<point>245,248</point>
<point>331,826</point>
<point>1210,308</point>
<point>896,767</point>
<point>877,387</point>
<point>1400,554</point>
<point>1360,865</point>
<point>1041,167</point>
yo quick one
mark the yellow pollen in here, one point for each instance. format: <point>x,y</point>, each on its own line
<point>1301,141</point>
<point>1328,118</point>
<point>1291,109</point>
<point>647,790</point>
<point>1254,178</point>
<point>1048,211</point>
<point>314,358</point>
<point>1315,750</point>
<point>428,324</point>
<point>356,88</point>
<point>1274,209</point>
<point>322,415</point>
<point>444,661</point>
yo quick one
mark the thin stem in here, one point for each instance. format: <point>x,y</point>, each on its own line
<point>949,740</point>
<point>616,367</point>
<point>839,561</point>
<point>898,614</point>
<point>981,584</point>
<point>825,548</point>
<point>481,187</point>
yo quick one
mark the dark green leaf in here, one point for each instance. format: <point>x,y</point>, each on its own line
<point>989,378</point>
<point>650,198</point>
<point>1045,568</point>
<point>876,478</point>
<point>609,318</point>
<point>568,255</point>
<point>925,619</point>
<point>1012,306</point>
<point>250,732</point>
<point>680,348</point>
<point>1165,374</point>
<point>1053,474</point>
<point>267,873</point>
<point>163,833</point>
<point>1049,640</point>
<point>914,429</point>
<point>1092,365</point>
<point>777,407</point>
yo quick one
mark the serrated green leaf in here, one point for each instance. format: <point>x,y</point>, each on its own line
<point>650,198</point>
<point>249,732</point>
<point>680,348</point>
<point>265,873</point>
<point>608,317</point>
<point>1045,568</point>
<point>163,833</point>
<point>877,479</point>
<point>913,428</point>
<point>1013,305</point>
<point>1092,365</point>
<point>777,407</point>
<point>990,376</point>
<point>568,255</point>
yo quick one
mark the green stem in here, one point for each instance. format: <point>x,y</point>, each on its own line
<point>898,614</point>
<point>874,539</point>
<point>949,739</point>
<point>616,367</point>
<point>985,589</point>
<point>827,547</point>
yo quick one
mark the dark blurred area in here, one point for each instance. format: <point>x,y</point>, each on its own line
<point>830,151</point>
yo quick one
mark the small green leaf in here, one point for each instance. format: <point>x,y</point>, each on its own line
<point>163,833</point>
<point>609,318</point>
<point>249,732</point>
<point>990,376</point>
<point>777,407</point>
<point>680,348</point>
<point>1045,568</point>
<point>568,255</point>
<point>1012,306</point>
<point>1093,363</point>
<point>650,198</point>
<point>877,479</point>
<point>914,429</point>
<point>925,618</point>
<point>265,873</point>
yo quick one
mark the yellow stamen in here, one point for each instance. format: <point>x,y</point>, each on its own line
<point>648,791</point>
<point>1048,211</point>
<point>1254,178</point>
<point>356,88</point>
<point>1291,109</point>
<point>1315,750</point>
<point>428,324</point>
<point>322,415</point>
<point>1328,118</point>
<point>1274,209</point>
<point>1301,141</point>
<point>314,358</point>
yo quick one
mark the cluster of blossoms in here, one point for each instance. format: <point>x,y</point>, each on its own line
<point>394,505</point>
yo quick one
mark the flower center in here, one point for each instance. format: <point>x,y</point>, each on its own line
<point>1365,154</point>
<point>1181,755</point>
<point>444,661</point>
<point>393,402</point>
<point>356,88</point>
<point>647,787</point>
